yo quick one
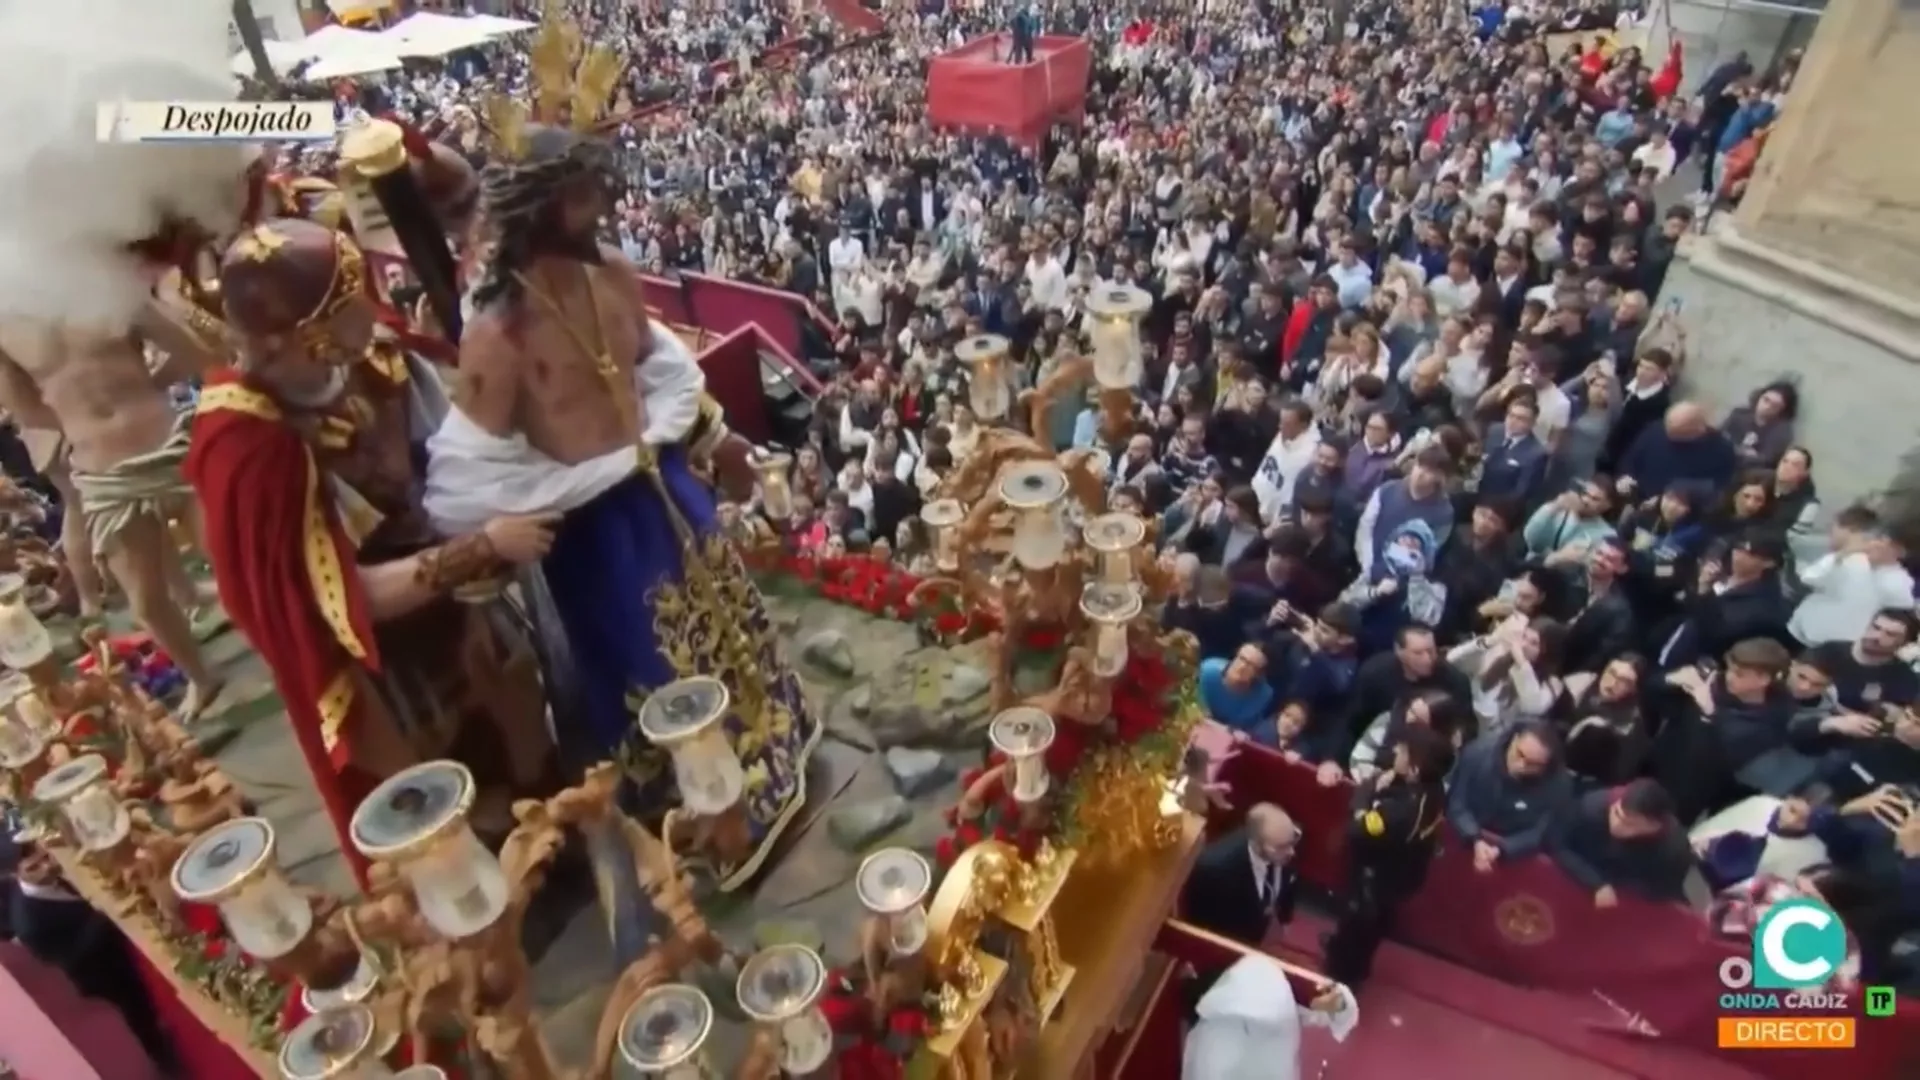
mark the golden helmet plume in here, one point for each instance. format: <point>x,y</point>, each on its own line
<point>573,80</point>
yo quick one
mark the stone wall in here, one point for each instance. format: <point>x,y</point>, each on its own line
<point>1751,320</point>
<point>1839,184</point>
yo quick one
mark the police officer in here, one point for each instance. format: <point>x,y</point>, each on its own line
<point>1393,832</point>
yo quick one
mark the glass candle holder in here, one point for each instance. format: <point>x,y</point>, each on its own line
<point>421,1072</point>
<point>664,1034</point>
<point>336,1044</point>
<point>893,883</point>
<point>943,518</point>
<point>685,718</point>
<point>417,820</point>
<point>15,691</point>
<point>1110,608</point>
<point>1024,733</point>
<point>780,986</point>
<point>1113,538</point>
<point>20,746</point>
<point>232,866</point>
<point>95,819</point>
<point>358,988</point>
<point>1113,327</point>
<point>1035,489</point>
<point>24,641</point>
<point>988,393</point>
<point>23,735</point>
<point>776,497</point>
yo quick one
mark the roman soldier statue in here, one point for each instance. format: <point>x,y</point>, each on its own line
<point>389,643</point>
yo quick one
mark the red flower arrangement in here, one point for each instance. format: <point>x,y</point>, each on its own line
<point>1140,707</point>
<point>870,1050</point>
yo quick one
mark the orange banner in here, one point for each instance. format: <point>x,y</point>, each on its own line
<point>1786,1033</point>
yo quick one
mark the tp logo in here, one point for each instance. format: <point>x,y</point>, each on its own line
<point>1797,945</point>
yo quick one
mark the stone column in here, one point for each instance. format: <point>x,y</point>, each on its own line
<point>1817,275</point>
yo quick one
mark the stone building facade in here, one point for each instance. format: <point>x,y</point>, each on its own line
<point>1817,275</point>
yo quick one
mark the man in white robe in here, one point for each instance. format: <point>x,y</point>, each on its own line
<point>1249,1024</point>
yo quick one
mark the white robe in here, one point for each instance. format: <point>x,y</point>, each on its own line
<point>1249,1027</point>
<point>474,476</point>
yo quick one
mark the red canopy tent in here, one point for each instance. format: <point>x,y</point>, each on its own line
<point>974,89</point>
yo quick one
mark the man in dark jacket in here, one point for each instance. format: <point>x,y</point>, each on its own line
<point>1624,839</point>
<point>1245,883</point>
<point>1730,604</point>
<point>1685,447</point>
<point>1387,679</point>
<point>1721,721</point>
<point>1508,789</point>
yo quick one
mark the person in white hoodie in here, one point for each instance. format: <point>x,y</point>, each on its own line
<point>1287,457</point>
<point>1861,576</point>
<point>1249,1024</point>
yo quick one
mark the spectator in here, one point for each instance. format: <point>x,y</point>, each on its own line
<point>1511,671</point>
<point>1412,666</point>
<point>1421,497</point>
<point>1236,694</point>
<point>1683,448</point>
<point>1245,883</point>
<point>1624,840</point>
<point>1505,793</point>
<point>1859,578</point>
<point>1726,719</point>
<point>1605,735</point>
<point>1762,429</point>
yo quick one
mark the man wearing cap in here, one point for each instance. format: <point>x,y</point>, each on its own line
<point>1731,601</point>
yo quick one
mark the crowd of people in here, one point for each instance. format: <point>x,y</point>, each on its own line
<point>1415,433</point>
<point>1415,430</point>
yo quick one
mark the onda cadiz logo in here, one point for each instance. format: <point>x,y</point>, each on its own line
<point>1797,946</point>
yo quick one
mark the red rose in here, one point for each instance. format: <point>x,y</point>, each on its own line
<point>950,622</point>
<point>201,919</point>
<point>1069,746</point>
<point>1134,718</point>
<point>943,851</point>
<point>844,1014</point>
<point>969,835</point>
<point>216,948</point>
<point>1003,834</point>
<point>907,1022</point>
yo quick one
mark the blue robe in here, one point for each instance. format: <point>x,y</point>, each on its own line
<point>617,577</point>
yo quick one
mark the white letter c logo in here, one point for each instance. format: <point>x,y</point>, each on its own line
<point>1773,944</point>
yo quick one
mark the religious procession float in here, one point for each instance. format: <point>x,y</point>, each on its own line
<point>1009,945</point>
<point>1008,948</point>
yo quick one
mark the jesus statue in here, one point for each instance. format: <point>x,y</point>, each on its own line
<point>570,400</point>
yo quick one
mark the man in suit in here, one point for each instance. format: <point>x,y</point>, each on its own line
<point>1244,883</point>
<point>1515,464</point>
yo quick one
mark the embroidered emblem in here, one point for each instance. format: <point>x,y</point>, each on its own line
<point>1524,920</point>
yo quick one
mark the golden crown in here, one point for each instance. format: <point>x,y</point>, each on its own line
<point>572,83</point>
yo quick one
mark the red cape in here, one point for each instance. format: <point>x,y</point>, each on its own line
<point>285,570</point>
